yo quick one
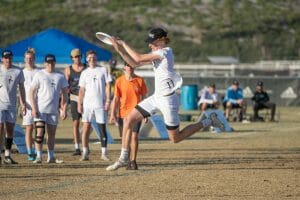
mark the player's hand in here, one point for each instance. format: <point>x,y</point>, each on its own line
<point>146,120</point>
<point>23,109</point>
<point>34,113</point>
<point>63,114</point>
<point>112,119</point>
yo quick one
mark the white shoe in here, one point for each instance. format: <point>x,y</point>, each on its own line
<point>37,161</point>
<point>118,164</point>
<point>54,160</point>
<point>105,157</point>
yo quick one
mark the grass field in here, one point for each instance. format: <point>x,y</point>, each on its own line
<point>257,161</point>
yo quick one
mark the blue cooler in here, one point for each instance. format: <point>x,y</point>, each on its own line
<point>189,97</point>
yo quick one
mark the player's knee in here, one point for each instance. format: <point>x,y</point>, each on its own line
<point>39,132</point>
<point>228,105</point>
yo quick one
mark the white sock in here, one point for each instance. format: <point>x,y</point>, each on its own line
<point>76,146</point>
<point>7,153</point>
<point>124,154</point>
<point>39,154</point>
<point>50,154</point>
<point>206,122</point>
<point>104,150</point>
<point>85,151</point>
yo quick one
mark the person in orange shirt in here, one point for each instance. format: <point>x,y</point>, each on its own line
<point>130,89</point>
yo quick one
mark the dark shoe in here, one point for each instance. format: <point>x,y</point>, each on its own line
<point>132,165</point>
<point>9,161</point>
<point>77,152</point>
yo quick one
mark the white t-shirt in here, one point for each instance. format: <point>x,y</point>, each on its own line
<point>94,80</point>
<point>9,81</point>
<point>164,73</point>
<point>207,97</point>
<point>49,87</point>
<point>28,75</point>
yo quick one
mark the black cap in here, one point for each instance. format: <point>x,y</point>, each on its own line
<point>260,83</point>
<point>155,34</point>
<point>50,58</point>
<point>235,82</point>
<point>7,53</point>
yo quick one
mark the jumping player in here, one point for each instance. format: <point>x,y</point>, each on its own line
<point>29,71</point>
<point>164,98</point>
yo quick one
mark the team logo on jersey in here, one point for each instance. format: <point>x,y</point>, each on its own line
<point>10,79</point>
<point>52,83</point>
<point>1,85</point>
<point>95,78</point>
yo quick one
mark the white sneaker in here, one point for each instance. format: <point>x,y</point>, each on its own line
<point>54,160</point>
<point>105,157</point>
<point>118,164</point>
<point>37,160</point>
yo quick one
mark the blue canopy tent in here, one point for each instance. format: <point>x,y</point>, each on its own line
<point>55,42</point>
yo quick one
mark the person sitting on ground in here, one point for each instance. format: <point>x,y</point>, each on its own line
<point>234,99</point>
<point>209,98</point>
<point>261,101</point>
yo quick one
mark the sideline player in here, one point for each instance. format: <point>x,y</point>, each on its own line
<point>11,78</point>
<point>130,89</point>
<point>94,102</point>
<point>29,71</point>
<point>46,88</point>
<point>72,74</point>
<point>164,98</point>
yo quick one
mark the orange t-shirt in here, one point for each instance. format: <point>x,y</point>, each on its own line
<point>130,93</point>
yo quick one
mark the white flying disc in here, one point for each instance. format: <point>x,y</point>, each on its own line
<point>103,37</point>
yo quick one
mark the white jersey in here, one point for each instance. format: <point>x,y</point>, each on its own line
<point>9,81</point>
<point>164,72</point>
<point>49,86</point>
<point>94,80</point>
<point>207,97</point>
<point>28,75</point>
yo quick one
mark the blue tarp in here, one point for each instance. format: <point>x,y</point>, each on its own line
<point>55,42</point>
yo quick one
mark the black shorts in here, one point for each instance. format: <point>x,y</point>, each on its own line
<point>136,127</point>
<point>209,106</point>
<point>74,112</point>
<point>233,105</point>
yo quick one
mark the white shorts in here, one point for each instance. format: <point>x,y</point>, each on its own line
<point>91,114</point>
<point>167,105</point>
<point>8,116</point>
<point>51,119</point>
<point>27,119</point>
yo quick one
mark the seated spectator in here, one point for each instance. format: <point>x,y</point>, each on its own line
<point>209,98</point>
<point>234,99</point>
<point>262,101</point>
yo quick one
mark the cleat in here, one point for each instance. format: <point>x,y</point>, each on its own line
<point>132,165</point>
<point>37,161</point>
<point>77,152</point>
<point>216,122</point>
<point>84,158</point>
<point>54,160</point>
<point>105,157</point>
<point>9,161</point>
<point>118,164</point>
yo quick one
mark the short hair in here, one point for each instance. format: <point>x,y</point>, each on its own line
<point>90,52</point>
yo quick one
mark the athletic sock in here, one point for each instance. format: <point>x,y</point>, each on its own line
<point>50,154</point>
<point>39,154</point>
<point>104,150</point>
<point>7,153</point>
<point>76,146</point>
<point>85,151</point>
<point>124,154</point>
<point>206,122</point>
